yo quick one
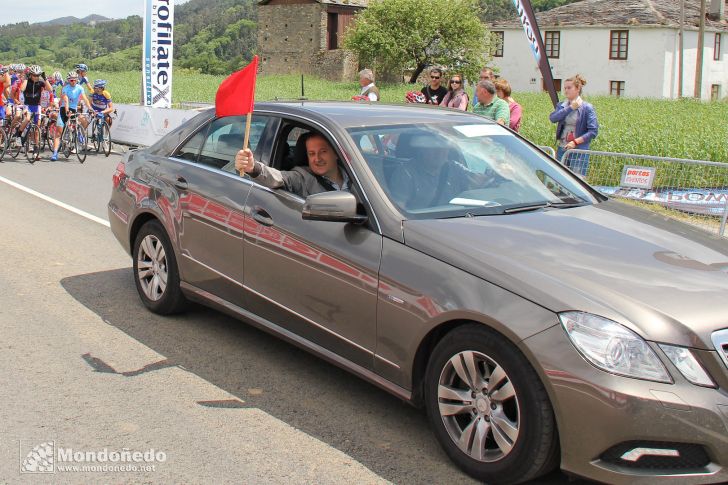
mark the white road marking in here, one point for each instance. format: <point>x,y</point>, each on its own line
<point>60,204</point>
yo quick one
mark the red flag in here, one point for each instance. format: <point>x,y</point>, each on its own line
<point>236,93</point>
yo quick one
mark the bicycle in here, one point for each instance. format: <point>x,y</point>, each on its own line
<point>101,133</point>
<point>14,146</point>
<point>73,137</point>
<point>33,139</point>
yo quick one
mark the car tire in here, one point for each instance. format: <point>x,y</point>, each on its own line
<point>500,432</point>
<point>155,270</point>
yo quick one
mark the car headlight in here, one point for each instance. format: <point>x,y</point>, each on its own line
<point>613,347</point>
<point>688,365</point>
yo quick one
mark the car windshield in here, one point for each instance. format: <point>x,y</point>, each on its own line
<point>452,170</point>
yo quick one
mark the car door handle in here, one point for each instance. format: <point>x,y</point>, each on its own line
<point>262,216</point>
<point>181,183</point>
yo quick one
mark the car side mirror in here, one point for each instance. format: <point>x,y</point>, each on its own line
<point>334,206</point>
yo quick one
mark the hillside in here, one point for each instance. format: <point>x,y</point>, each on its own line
<point>214,36</point>
<point>75,20</point>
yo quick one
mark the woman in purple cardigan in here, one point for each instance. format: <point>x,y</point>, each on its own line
<point>576,125</point>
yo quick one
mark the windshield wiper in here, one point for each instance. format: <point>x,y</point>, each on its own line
<point>526,208</point>
<point>541,205</point>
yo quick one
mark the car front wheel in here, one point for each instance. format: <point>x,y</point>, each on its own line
<point>155,270</point>
<point>489,410</point>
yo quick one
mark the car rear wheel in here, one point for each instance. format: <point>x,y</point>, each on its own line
<point>155,270</point>
<point>489,410</point>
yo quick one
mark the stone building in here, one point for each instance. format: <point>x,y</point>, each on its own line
<point>304,36</point>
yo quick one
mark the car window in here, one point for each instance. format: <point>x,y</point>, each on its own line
<point>216,144</point>
<point>455,169</point>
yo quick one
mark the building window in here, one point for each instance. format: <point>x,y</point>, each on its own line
<point>716,48</point>
<point>557,85</point>
<point>332,31</point>
<point>715,92</point>
<point>553,44</point>
<point>498,38</point>
<point>618,42</point>
<point>616,88</point>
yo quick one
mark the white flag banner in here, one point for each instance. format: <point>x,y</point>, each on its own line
<point>157,53</point>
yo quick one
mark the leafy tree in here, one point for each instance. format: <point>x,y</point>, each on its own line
<point>392,35</point>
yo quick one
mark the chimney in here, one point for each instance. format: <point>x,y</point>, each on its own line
<point>717,10</point>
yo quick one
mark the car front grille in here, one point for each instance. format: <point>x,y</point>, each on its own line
<point>720,340</point>
<point>663,456</point>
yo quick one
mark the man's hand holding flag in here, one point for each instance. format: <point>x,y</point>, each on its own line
<point>236,96</point>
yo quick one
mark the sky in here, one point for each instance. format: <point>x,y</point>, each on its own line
<point>43,10</point>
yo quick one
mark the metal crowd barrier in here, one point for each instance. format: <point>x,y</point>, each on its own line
<point>693,191</point>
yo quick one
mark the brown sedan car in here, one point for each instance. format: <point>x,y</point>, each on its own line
<point>537,322</point>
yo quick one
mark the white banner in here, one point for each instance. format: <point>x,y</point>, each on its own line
<point>144,125</point>
<point>157,53</point>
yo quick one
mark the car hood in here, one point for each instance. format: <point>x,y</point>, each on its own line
<point>664,279</point>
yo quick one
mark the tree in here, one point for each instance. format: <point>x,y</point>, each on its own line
<point>393,35</point>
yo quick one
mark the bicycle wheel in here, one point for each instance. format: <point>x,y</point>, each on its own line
<point>3,143</point>
<point>105,139</point>
<point>32,144</point>
<point>79,140</point>
<point>93,129</point>
<point>15,146</point>
<point>67,141</point>
<point>49,133</point>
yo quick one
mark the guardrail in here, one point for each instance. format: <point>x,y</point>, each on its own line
<point>694,191</point>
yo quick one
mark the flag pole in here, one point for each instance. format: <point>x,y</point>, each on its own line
<point>248,119</point>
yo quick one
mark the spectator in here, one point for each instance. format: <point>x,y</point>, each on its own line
<point>435,92</point>
<point>503,90</point>
<point>368,89</point>
<point>576,125</point>
<point>490,105</point>
<point>486,74</point>
<point>456,96</point>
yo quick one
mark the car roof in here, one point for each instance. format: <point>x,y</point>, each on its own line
<point>356,114</point>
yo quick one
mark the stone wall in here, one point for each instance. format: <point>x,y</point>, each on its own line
<point>288,35</point>
<point>336,65</point>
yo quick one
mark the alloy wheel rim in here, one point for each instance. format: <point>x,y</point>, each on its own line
<point>152,267</point>
<point>479,406</point>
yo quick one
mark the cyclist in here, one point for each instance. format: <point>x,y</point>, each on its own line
<point>101,100</point>
<point>56,81</point>
<point>33,87</point>
<point>81,70</point>
<point>17,100</point>
<point>70,97</point>
<point>4,85</point>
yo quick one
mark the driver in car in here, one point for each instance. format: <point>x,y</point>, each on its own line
<point>322,174</point>
<point>430,177</point>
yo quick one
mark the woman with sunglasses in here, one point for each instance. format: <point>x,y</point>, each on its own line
<point>456,96</point>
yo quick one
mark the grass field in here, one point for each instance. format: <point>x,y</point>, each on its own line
<point>681,129</point>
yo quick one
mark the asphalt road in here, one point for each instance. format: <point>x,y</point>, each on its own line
<point>84,365</point>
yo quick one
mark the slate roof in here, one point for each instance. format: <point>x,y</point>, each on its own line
<point>631,13</point>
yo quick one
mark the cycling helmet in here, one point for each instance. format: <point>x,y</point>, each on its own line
<point>57,77</point>
<point>3,69</point>
<point>72,75</point>
<point>35,70</point>
<point>415,97</point>
<point>81,67</point>
<point>20,67</point>
<point>100,83</point>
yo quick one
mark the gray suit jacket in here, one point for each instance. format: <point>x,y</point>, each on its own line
<point>300,180</point>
